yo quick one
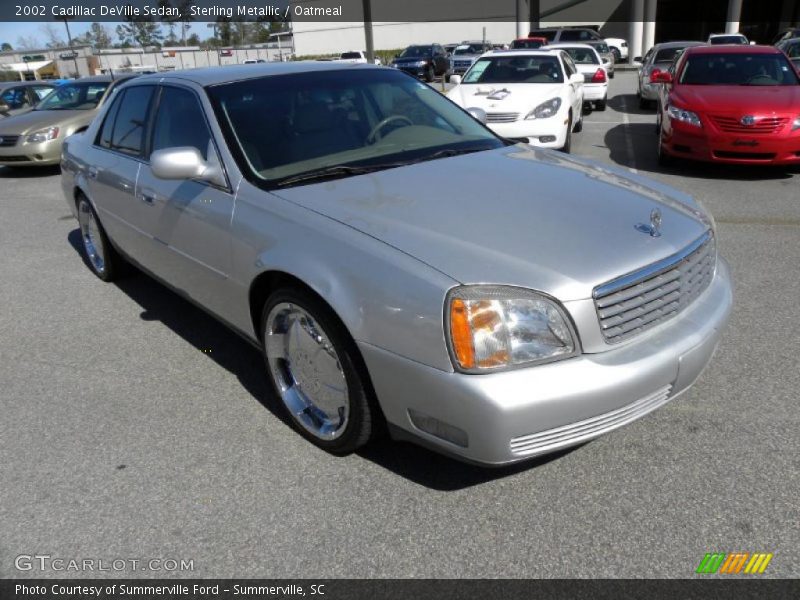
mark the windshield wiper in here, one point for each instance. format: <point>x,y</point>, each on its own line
<point>328,173</point>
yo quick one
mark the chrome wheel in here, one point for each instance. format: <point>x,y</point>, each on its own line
<point>91,237</point>
<point>307,371</point>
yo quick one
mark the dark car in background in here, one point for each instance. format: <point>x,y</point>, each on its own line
<point>791,47</point>
<point>427,61</point>
<point>20,96</point>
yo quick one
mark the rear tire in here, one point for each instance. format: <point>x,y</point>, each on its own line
<point>316,371</point>
<point>601,104</point>
<point>100,255</point>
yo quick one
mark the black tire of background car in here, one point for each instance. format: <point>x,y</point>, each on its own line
<point>617,54</point>
<point>601,104</point>
<point>364,412</point>
<point>429,73</point>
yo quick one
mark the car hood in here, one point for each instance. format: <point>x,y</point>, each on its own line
<point>492,97</point>
<point>39,119</point>
<point>516,216</point>
<point>739,99</point>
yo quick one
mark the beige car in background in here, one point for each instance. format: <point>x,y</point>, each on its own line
<point>34,138</point>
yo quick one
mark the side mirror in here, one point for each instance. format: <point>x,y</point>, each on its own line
<point>184,162</point>
<point>637,59</point>
<point>477,113</point>
<point>576,78</point>
<point>4,107</point>
<point>455,79</point>
<point>660,77</point>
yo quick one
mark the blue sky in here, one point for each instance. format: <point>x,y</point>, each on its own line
<point>11,31</point>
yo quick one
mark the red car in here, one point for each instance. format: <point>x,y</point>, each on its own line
<point>731,104</point>
<point>528,43</point>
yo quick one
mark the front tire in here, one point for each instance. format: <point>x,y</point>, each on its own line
<point>567,147</point>
<point>315,370</point>
<point>429,74</point>
<point>100,255</point>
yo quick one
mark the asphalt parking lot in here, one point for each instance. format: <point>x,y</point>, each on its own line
<point>135,426</point>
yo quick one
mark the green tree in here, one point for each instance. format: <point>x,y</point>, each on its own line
<point>6,47</point>
<point>193,40</point>
<point>140,33</point>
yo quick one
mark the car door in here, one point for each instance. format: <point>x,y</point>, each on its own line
<point>194,224</point>
<point>112,171</point>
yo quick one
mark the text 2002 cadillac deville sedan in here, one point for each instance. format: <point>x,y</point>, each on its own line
<point>396,260</point>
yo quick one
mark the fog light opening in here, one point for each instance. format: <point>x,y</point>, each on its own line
<point>438,428</point>
<point>547,139</point>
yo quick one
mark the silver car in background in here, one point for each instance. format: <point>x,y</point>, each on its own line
<point>396,261</point>
<point>658,58</point>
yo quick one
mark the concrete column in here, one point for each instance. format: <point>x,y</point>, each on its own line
<point>649,35</point>
<point>523,19</point>
<point>734,15</point>
<point>636,29</point>
<point>534,15</point>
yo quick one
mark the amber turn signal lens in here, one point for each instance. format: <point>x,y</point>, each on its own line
<point>461,334</point>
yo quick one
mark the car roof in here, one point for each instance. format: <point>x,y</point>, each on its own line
<point>206,76</point>
<point>543,51</point>
<point>686,44</point>
<point>735,49</point>
<point>12,84</point>
<point>559,45</point>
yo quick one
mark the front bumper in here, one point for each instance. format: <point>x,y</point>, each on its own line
<point>25,155</point>
<point>533,130</point>
<point>415,71</point>
<point>515,415</point>
<point>707,145</point>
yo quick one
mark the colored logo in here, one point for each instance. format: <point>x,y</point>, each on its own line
<point>734,563</point>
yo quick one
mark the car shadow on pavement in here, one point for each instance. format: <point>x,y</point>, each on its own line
<point>240,358</point>
<point>28,172</point>
<point>629,104</point>
<point>634,145</point>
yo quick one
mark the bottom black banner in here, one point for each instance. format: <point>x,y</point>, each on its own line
<point>391,589</point>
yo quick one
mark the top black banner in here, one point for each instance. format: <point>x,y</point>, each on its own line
<point>556,11</point>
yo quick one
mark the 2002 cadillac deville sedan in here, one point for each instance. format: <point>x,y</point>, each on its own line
<point>396,260</point>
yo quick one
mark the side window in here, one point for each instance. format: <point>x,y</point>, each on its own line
<point>16,98</point>
<point>104,137</point>
<point>180,122</point>
<point>131,120</point>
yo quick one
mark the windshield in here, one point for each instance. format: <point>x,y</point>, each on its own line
<point>416,52</point>
<point>335,120</point>
<point>667,55</point>
<point>738,69</point>
<point>529,44</point>
<point>583,56</point>
<point>469,49</point>
<point>516,69</point>
<point>74,96</point>
<point>727,39</point>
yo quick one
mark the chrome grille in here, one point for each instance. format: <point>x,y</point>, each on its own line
<point>760,125</point>
<point>8,140</point>
<point>498,117</point>
<point>643,299</point>
<point>574,433</point>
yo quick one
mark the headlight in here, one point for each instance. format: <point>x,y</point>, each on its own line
<point>796,124</point>
<point>43,135</point>
<point>420,63</point>
<point>684,116</point>
<point>545,109</point>
<point>495,327</point>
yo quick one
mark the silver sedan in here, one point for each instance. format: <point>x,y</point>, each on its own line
<point>398,263</point>
<point>659,58</point>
